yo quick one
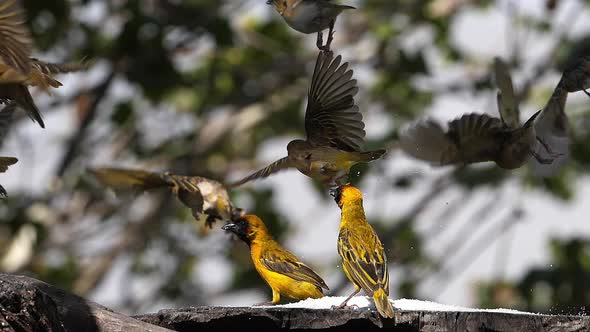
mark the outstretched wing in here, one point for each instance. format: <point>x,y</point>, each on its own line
<point>15,40</point>
<point>5,162</point>
<point>478,138</point>
<point>122,179</point>
<point>426,140</point>
<point>277,166</point>
<point>507,101</point>
<point>363,259</point>
<point>42,73</point>
<point>332,118</point>
<point>284,262</point>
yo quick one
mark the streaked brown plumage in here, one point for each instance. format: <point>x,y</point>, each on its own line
<point>476,137</point>
<point>310,16</point>
<point>283,272</point>
<point>208,199</point>
<point>334,128</point>
<point>363,258</point>
<point>17,69</point>
<point>4,163</point>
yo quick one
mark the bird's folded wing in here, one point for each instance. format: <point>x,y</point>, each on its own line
<point>5,162</point>
<point>279,165</point>
<point>426,140</point>
<point>331,117</point>
<point>284,262</point>
<point>507,101</point>
<point>364,259</point>
<point>187,190</point>
<point>15,40</point>
<point>118,178</point>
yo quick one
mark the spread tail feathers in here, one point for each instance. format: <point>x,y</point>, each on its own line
<point>425,140</point>
<point>383,304</point>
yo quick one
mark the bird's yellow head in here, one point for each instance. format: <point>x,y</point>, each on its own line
<point>248,228</point>
<point>280,5</point>
<point>346,194</point>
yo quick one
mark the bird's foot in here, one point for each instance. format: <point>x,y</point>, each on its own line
<point>330,35</point>
<point>547,148</point>
<point>586,92</point>
<point>267,303</point>
<point>541,160</point>
<point>345,306</point>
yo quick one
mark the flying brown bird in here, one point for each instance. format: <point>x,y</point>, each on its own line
<point>334,128</point>
<point>4,163</point>
<point>208,199</point>
<point>477,137</point>
<point>310,16</point>
<point>17,69</point>
<point>552,126</point>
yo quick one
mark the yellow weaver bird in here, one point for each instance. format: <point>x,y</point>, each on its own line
<point>363,258</point>
<point>284,273</point>
<point>17,69</point>
<point>334,128</point>
<point>208,199</point>
<point>310,16</point>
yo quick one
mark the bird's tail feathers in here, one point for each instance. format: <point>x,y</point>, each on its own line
<point>372,155</point>
<point>383,304</point>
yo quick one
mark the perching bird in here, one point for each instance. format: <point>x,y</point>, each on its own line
<point>4,163</point>
<point>334,127</point>
<point>577,76</point>
<point>208,199</point>
<point>363,257</point>
<point>284,273</point>
<point>17,69</point>
<point>310,16</point>
<point>477,137</point>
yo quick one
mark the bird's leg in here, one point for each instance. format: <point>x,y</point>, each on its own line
<point>330,35</point>
<point>343,304</point>
<point>586,92</point>
<point>276,298</point>
<point>320,41</point>
<point>547,148</point>
<point>544,161</point>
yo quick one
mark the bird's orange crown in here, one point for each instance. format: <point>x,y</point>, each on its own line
<point>280,5</point>
<point>347,193</point>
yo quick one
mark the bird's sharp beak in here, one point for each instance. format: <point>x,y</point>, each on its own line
<point>230,227</point>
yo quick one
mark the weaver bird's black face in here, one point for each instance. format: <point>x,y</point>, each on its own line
<point>337,194</point>
<point>240,228</point>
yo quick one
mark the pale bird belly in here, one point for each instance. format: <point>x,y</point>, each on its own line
<point>307,18</point>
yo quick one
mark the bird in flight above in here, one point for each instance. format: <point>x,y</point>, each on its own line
<point>334,127</point>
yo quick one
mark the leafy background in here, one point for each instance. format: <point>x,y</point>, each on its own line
<point>217,88</point>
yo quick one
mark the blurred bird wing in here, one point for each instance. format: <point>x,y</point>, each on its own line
<point>577,76</point>
<point>279,165</point>
<point>5,162</point>
<point>507,101</point>
<point>6,120</point>
<point>283,262</point>
<point>552,128</point>
<point>426,140</point>
<point>15,40</point>
<point>332,118</point>
<point>364,259</point>
<point>477,136</point>
<point>126,179</point>
<point>42,73</point>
